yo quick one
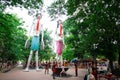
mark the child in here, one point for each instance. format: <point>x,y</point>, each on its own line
<point>46,68</point>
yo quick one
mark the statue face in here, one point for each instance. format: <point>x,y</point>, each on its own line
<point>60,22</point>
<point>38,16</point>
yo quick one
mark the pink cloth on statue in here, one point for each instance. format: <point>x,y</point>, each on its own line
<point>59,47</point>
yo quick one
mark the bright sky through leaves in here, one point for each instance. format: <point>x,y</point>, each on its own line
<point>46,21</point>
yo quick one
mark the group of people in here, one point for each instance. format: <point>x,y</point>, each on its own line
<point>58,68</point>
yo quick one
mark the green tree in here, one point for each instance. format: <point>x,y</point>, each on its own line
<point>98,24</point>
<point>28,4</point>
<point>56,9</point>
<point>46,53</point>
<point>10,39</point>
<point>93,27</point>
<point>68,52</point>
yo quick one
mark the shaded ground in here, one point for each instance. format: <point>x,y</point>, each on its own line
<point>18,74</point>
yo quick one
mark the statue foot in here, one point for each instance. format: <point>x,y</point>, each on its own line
<point>26,70</point>
<point>37,69</point>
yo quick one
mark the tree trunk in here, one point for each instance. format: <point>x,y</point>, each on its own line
<point>95,65</point>
<point>111,64</point>
<point>119,59</point>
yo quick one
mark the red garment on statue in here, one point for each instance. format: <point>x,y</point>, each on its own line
<point>37,26</point>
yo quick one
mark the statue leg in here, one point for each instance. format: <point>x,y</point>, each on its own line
<point>61,60</point>
<point>36,59</point>
<point>57,58</point>
<point>29,59</point>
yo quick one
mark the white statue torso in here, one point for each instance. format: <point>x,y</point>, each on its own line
<point>57,36</point>
<point>34,32</point>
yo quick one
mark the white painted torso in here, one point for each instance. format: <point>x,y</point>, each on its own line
<point>57,36</point>
<point>34,32</point>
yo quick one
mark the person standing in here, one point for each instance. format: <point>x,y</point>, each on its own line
<point>76,69</point>
<point>47,68</point>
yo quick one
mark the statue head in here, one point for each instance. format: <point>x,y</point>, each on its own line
<point>38,16</point>
<point>59,22</point>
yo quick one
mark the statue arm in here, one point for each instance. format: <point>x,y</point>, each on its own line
<point>31,28</point>
<point>28,39</point>
<point>63,40</point>
<point>42,37</point>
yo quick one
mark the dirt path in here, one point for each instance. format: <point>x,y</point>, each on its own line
<point>18,74</point>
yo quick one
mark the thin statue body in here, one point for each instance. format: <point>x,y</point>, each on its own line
<point>36,29</point>
<point>59,41</point>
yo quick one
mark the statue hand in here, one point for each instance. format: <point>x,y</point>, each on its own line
<point>28,38</point>
<point>42,45</point>
<point>64,46</point>
<point>27,43</point>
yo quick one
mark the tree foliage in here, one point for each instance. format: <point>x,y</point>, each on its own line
<point>97,23</point>
<point>33,6</point>
<point>21,3</point>
<point>11,37</point>
<point>68,52</point>
<point>46,53</point>
<point>93,27</point>
<point>56,9</point>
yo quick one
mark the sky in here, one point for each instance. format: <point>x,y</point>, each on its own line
<point>46,21</point>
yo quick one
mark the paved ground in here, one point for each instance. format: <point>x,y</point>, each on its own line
<point>18,74</point>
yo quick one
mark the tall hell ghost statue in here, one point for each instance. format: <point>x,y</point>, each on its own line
<point>59,39</point>
<point>36,29</point>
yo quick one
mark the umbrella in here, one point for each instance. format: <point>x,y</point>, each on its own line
<point>74,60</point>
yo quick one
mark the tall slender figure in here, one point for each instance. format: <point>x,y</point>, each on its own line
<point>36,28</point>
<point>59,39</point>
